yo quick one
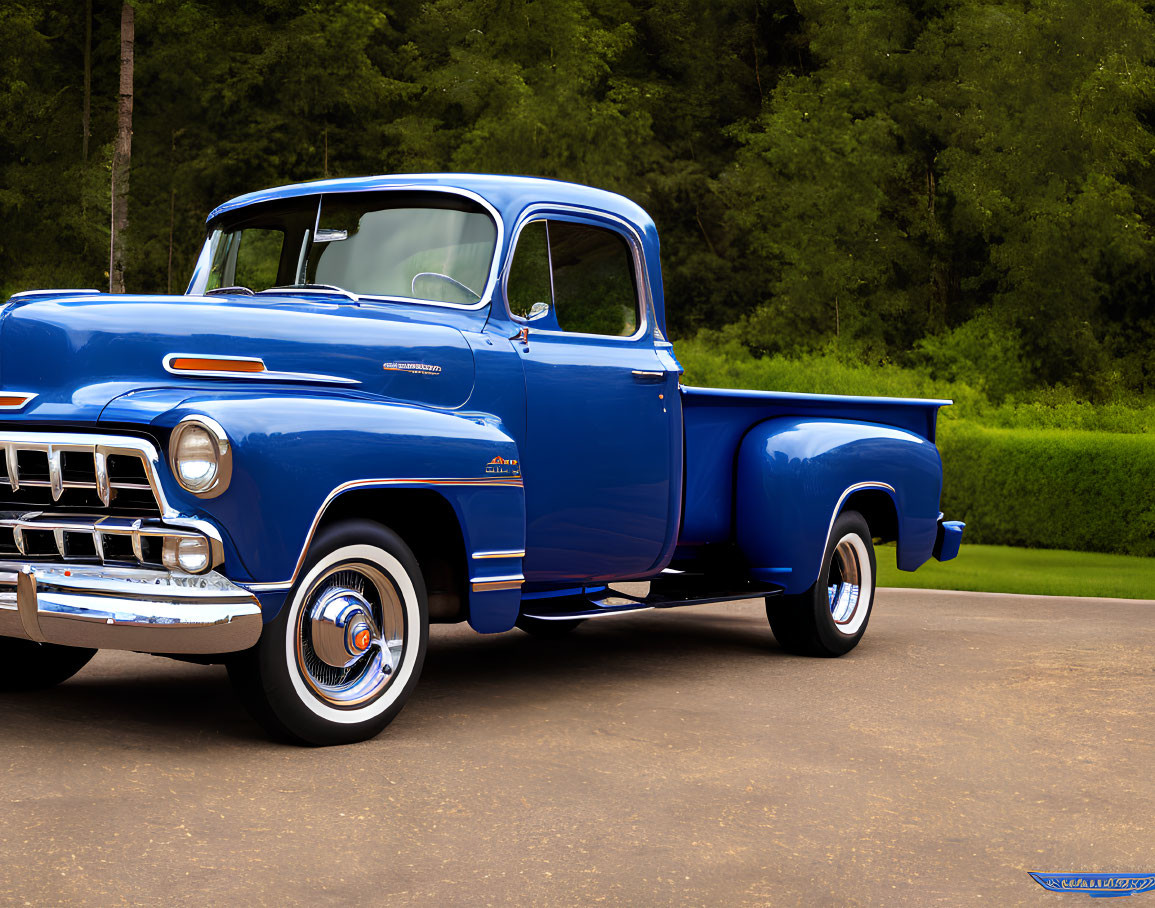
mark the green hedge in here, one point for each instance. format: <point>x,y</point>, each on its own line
<point>1051,488</point>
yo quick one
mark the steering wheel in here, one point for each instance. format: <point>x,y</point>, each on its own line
<point>443,277</point>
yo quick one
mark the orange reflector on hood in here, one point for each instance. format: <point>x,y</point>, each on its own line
<point>208,364</point>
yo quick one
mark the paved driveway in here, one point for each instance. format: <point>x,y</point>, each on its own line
<point>663,758</point>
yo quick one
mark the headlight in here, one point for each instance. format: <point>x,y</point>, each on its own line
<point>201,456</point>
<point>191,554</point>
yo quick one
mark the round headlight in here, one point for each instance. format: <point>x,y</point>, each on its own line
<point>191,554</point>
<point>199,451</point>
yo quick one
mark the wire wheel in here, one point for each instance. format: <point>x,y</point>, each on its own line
<point>350,635</point>
<point>849,573</point>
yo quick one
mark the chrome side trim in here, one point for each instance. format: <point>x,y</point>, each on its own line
<point>265,375</point>
<point>277,585</point>
<point>513,554</point>
<point>68,292</point>
<point>857,487</point>
<point>28,397</point>
<point>127,609</point>
<point>493,584</point>
<point>269,587</point>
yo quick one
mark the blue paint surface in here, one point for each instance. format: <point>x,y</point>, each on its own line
<point>582,451</point>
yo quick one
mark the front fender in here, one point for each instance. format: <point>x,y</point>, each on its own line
<point>794,475</point>
<point>295,453</point>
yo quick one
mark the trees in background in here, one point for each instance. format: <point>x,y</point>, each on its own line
<point>966,185</point>
<point>973,181</point>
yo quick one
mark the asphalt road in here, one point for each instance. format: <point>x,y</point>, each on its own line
<point>663,758</point>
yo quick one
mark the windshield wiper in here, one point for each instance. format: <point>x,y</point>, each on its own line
<point>324,288</point>
<point>245,291</point>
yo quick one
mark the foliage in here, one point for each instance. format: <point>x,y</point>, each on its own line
<point>1049,488</point>
<point>962,187</point>
<point>957,173</point>
<point>713,360</point>
<point>1001,569</point>
<point>719,360</point>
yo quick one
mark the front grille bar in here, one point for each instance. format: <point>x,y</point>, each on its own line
<point>100,447</point>
<point>99,529</point>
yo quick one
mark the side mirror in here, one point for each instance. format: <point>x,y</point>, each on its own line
<point>536,311</point>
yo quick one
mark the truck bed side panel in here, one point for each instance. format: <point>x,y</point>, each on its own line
<point>716,421</point>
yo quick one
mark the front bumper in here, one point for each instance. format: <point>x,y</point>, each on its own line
<point>148,611</point>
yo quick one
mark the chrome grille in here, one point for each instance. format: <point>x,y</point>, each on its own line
<point>92,539</point>
<point>78,473</point>
<point>85,498</point>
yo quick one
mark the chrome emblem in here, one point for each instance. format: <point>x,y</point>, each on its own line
<point>499,466</point>
<point>413,368</point>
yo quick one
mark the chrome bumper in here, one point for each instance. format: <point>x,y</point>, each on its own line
<point>146,611</point>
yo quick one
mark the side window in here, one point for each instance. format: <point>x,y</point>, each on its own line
<point>584,273</point>
<point>593,280</point>
<point>529,281</point>
<point>258,258</point>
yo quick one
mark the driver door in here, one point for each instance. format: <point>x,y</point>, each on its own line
<point>597,457</point>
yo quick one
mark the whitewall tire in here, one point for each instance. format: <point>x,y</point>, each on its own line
<point>345,652</point>
<point>830,618</point>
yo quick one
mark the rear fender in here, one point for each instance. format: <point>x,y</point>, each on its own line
<point>795,475</point>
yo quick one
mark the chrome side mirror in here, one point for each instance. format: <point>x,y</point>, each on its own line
<point>537,310</point>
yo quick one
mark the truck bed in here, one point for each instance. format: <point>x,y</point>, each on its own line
<point>717,419</point>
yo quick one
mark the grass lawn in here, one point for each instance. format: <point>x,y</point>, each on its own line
<point>1002,569</point>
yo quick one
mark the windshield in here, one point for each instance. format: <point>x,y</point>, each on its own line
<point>424,246</point>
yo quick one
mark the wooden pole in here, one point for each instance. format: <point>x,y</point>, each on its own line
<point>86,116</point>
<point>122,153</point>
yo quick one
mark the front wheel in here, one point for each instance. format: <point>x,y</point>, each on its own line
<point>344,654</point>
<point>830,618</point>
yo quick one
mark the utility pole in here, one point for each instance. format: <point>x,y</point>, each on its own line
<point>86,115</point>
<point>122,153</point>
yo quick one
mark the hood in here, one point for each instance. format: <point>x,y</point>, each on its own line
<point>78,353</point>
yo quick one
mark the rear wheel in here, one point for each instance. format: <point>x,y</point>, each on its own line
<point>26,666</point>
<point>830,618</point>
<point>342,657</point>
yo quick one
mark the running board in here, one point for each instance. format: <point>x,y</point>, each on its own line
<point>664,593</point>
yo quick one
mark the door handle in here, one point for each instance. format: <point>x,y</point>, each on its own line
<point>644,376</point>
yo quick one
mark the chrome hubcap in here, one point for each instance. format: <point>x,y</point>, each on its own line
<point>342,627</point>
<point>843,587</point>
<point>350,635</point>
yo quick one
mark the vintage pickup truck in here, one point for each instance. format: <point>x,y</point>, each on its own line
<point>402,400</point>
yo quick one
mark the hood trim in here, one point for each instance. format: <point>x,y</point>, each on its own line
<point>16,400</point>
<point>262,374</point>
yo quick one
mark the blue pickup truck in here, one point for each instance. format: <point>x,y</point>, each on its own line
<point>395,401</point>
